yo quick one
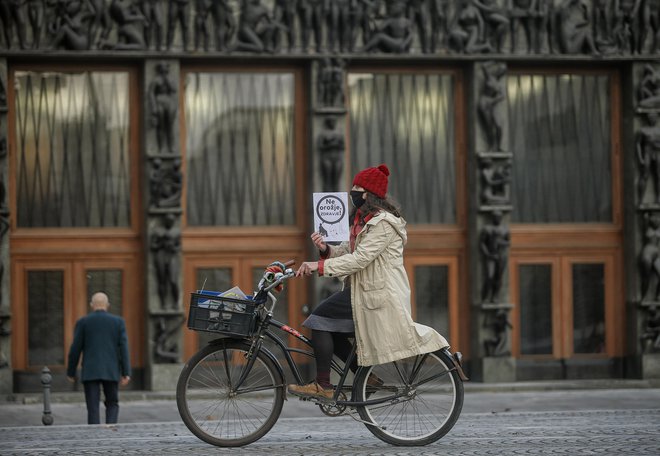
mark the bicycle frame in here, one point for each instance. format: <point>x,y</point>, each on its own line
<point>257,346</point>
<point>263,331</point>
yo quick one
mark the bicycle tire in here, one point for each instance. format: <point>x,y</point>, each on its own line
<point>216,415</point>
<point>429,411</point>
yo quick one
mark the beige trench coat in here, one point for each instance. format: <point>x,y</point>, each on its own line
<point>380,293</point>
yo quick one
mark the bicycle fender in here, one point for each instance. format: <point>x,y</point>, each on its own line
<point>457,360</point>
<point>277,365</point>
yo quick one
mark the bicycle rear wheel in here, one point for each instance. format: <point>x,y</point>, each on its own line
<point>211,406</point>
<point>430,402</point>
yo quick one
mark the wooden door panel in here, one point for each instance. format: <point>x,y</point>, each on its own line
<point>75,304</point>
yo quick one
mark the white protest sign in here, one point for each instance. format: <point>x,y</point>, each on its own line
<point>331,216</point>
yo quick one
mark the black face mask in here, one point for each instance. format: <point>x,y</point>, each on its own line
<point>356,198</point>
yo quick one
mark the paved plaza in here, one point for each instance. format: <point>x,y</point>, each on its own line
<point>616,421</point>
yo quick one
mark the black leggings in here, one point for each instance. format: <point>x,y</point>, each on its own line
<point>326,344</point>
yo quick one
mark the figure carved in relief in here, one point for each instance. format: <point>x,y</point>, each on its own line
<point>497,22</point>
<point>256,28</point>
<point>650,336</point>
<point>626,25</point>
<point>166,350</point>
<point>648,156</point>
<point>225,24</point>
<point>70,26</point>
<point>394,34</point>
<point>3,95</point>
<point>3,143</point>
<point>100,21</point>
<point>649,88</point>
<point>3,193</point>
<point>35,11</point>
<point>495,180</point>
<point>500,325</point>
<point>165,183</point>
<point>418,14</point>
<point>11,17</point>
<point>331,146</point>
<point>339,25</point>
<point>202,13</point>
<point>311,21</point>
<point>164,106</point>
<point>152,10</point>
<point>649,259</point>
<point>171,185</point>
<point>494,244</point>
<point>468,29</point>
<point>3,190</point>
<point>285,14</point>
<point>165,245</point>
<point>602,24</point>
<point>129,34</point>
<point>4,227</point>
<point>363,14</point>
<point>523,14</point>
<point>331,82</point>
<point>155,178</point>
<point>439,24</point>
<point>650,26</point>
<point>575,34</point>
<point>4,331</point>
<point>492,94</point>
<point>544,27</point>
<point>178,14</point>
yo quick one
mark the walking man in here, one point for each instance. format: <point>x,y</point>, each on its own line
<point>101,338</point>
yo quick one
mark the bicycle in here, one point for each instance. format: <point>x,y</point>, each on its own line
<point>231,392</point>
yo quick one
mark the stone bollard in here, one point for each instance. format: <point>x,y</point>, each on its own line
<point>47,418</point>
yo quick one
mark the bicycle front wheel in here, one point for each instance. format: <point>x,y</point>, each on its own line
<point>427,398</point>
<point>218,412</point>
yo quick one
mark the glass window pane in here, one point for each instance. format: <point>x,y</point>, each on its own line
<point>213,279</point>
<point>407,122</point>
<point>45,318</point>
<point>110,282</point>
<point>589,308</point>
<point>240,149</point>
<point>432,297</point>
<point>72,149</point>
<point>535,309</point>
<point>561,141</point>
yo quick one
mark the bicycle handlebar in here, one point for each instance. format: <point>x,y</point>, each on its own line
<point>271,279</point>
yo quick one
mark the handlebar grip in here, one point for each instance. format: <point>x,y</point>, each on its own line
<point>290,263</point>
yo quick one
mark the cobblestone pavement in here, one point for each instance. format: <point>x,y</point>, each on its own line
<point>606,432</point>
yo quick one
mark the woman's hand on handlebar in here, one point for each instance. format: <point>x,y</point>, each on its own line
<point>318,241</point>
<point>307,268</point>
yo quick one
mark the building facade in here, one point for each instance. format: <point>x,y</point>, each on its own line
<point>151,148</point>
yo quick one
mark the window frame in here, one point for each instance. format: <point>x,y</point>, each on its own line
<point>460,139</point>
<point>134,155</point>
<point>300,159</point>
<point>616,160</point>
<point>562,303</point>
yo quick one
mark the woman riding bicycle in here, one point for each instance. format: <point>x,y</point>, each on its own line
<point>374,304</point>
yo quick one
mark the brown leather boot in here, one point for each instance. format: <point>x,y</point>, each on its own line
<point>311,390</point>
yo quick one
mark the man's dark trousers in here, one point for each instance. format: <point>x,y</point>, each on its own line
<point>93,397</point>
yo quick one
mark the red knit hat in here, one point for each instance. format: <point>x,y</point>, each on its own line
<point>373,180</point>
